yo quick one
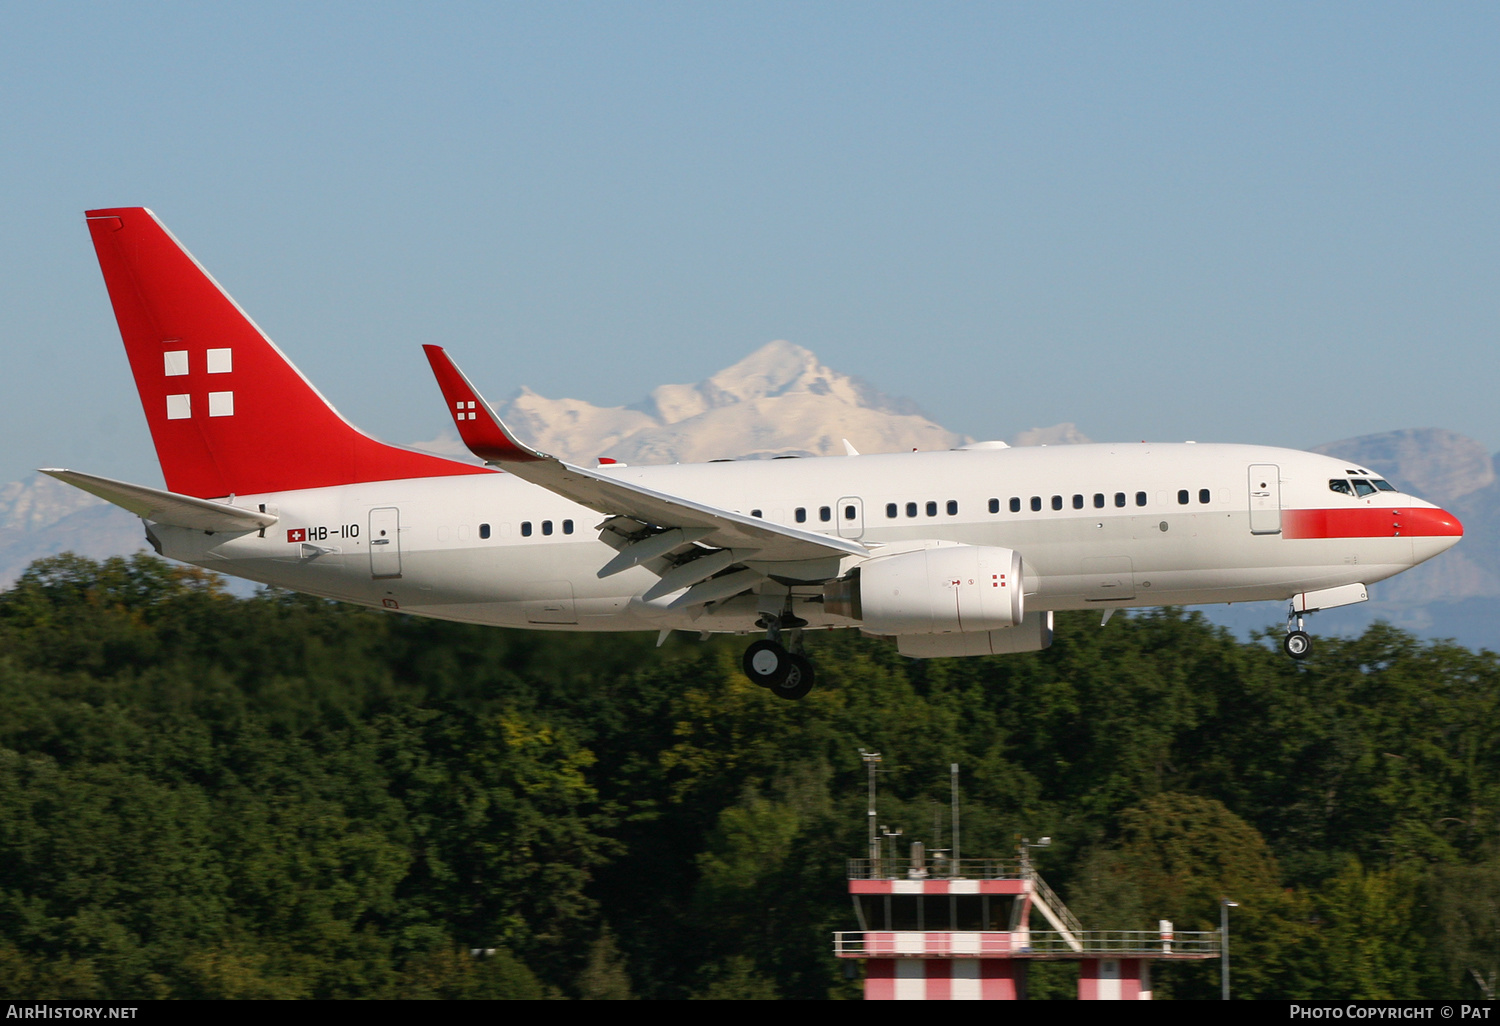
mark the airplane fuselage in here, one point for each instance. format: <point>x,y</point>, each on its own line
<point>1099,526</point>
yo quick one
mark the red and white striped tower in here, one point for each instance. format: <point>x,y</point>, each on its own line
<point>961,929</point>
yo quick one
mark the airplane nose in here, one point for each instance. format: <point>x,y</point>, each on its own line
<point>1431,523</point>
<point>1439,527</point>
<point>1431,530</point>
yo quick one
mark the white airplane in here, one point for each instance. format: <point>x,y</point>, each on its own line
<point>965,552</point>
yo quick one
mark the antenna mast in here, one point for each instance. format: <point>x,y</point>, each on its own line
<point>872,759</point>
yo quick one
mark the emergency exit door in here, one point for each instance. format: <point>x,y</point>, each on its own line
<point>851,517</point>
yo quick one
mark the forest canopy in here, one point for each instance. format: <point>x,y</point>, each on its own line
<point>204,795</point>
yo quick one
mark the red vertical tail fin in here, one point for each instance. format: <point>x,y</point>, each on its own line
<point>228,412</point>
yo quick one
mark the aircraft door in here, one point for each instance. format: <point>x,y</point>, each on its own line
<point>1265,498</point>
<point>385,542</point>
<point>851,517</point>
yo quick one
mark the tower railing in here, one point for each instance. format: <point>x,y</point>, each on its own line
<point>934,868</point>
<point>1037,944</point>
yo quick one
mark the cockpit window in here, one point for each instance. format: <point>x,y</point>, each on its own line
<point>1384,486</point>
<point>1362,487</point>
<point>1340,485</point>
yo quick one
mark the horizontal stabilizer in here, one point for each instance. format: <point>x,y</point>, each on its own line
<point>167,508</point>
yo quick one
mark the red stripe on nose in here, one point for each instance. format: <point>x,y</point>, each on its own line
<point>1430,523</point>
<point>1371,522</point>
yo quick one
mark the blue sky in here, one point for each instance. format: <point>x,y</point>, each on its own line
<point>1240,222</point>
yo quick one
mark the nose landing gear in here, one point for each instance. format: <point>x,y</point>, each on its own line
<point>1297,643</point>
<point>786,674</point>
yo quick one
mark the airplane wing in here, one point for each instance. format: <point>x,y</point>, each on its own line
<point>749,537</point>
<point>167,508</point>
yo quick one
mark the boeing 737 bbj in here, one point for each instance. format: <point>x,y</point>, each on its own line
<point>965,552</point>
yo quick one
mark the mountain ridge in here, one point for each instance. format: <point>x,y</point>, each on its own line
<point>779,400</point>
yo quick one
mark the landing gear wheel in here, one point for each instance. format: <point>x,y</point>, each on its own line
<point>766,663</point>
<point>1297,644</point>
<point>799,679</point>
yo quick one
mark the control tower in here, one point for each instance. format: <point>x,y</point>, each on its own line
<point>960,928</point>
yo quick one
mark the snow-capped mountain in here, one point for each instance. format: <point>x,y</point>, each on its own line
<point>42,517</point>
<point>778,400</point>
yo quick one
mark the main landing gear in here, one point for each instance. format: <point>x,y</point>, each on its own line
<point>1297,643</point>
<point>786,674</point>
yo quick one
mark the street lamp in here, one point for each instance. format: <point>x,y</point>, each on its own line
<point>1224,906</point>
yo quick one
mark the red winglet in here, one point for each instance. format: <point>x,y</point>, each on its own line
<point>483,432</point>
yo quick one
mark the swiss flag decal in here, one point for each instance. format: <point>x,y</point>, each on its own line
<point>297,534</point>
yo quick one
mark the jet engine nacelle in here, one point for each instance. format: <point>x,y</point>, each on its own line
<point>942,590</point>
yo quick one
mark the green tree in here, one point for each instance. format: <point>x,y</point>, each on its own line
<point>1464,909</point>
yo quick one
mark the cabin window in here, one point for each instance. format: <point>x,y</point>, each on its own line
<point>1036,504</point>
<point>1057,502</point>
<point>1078,502</point>
<point>1120,499</point>
<point>755,513</point>
<point>1182,497</point>
<point>1140,498</point>
<point>1015,504</point>
<point>1098,500</point>
<point>825,514</point>
<point>526,529</point>
<point>801,514</point>
<point>850,512</point>
<point>1203,495</point>
<point>911,509</point>
<point>890,510</point>
<point>484,530</point>
<point>953,507</point>
<point>547,527</point>
<point>994,505</point>
<point>932,509</point>
<point>567,527</point>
